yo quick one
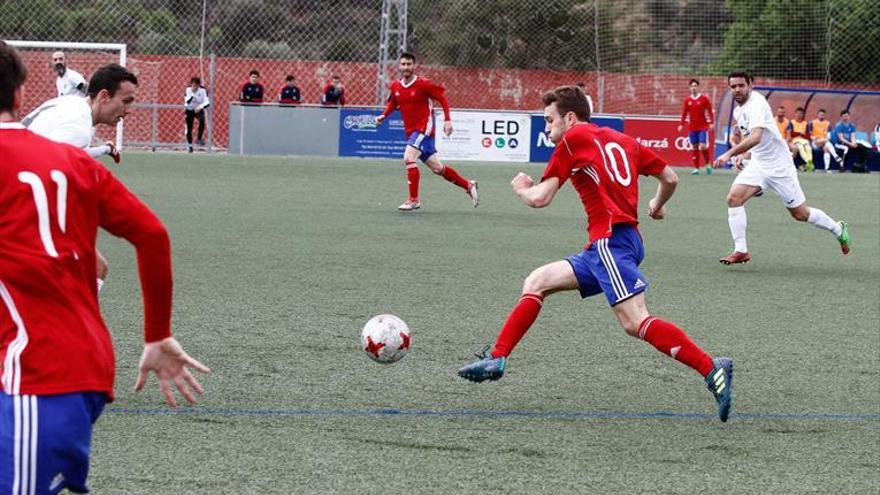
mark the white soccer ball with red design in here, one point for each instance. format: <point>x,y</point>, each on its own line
<point>386,339</point>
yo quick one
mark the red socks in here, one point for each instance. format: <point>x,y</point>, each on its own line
<point>671,340</point>
<point>412,178</point>
<point>706,156</point>
<point>695,157</point>
<point>518,322</point>
<point>451,175</point>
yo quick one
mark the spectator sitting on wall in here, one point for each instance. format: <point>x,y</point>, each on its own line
<point>334,93</point>
<point>252,90</point>
<point>290,92</point>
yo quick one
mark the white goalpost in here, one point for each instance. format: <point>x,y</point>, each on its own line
<point>121,48</point>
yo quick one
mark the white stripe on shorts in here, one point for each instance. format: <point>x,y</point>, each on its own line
<point>620,289</point>
<point>24,445</point>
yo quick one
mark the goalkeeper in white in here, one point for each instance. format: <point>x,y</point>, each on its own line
<point>72,119</point>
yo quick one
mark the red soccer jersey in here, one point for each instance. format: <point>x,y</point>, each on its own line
<point>414,102</point>
<point>53,197</point>
<point>603,166</point>
<point>698,112</point>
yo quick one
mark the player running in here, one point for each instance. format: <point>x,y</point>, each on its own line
<point>72,119</point>
<point>603,166</point>
<point>697,109</point>
<point>413,95</point>
<point>56,356</point>
<point>771,166</point>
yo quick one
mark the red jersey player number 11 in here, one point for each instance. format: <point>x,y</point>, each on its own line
<point>57,367</point>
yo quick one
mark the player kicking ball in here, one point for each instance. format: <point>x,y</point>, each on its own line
<point>413,95</point>
<point>770,166</point>
<point>603,166</point>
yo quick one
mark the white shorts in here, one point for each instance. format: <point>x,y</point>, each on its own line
<point>783,182</point>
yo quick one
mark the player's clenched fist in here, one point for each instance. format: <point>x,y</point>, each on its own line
<point>521,181</point>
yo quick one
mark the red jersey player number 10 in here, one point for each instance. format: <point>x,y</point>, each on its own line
<point>611,166</point>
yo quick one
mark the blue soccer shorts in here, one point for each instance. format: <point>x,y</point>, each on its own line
<point>45,441</point>
<point>697,137</point>
<point>611,266</point>
<point>423,143</point>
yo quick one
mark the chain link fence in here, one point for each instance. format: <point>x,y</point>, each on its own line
<point>633,56</point>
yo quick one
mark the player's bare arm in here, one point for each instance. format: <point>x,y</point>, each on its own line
<point>534,195</point>
<point>744,145</point>
<point>668,181</point>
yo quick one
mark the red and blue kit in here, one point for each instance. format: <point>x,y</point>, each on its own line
<point>603,165</point>
<point>56,355</point>
<point>415,103</point>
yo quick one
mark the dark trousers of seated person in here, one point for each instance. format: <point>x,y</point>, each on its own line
<point>857,156</point>
<point>191,115</point>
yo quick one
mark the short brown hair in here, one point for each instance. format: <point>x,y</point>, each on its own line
<point>569,99</point>
<point>12,75</point>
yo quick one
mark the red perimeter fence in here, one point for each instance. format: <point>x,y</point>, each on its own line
<point>164,77</point>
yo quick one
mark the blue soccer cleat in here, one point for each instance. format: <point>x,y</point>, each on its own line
<point>487,368</point>
<point>720,383</point>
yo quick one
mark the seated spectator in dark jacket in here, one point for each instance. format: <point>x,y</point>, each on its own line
<point>290,92</point>
<point>252,90</point>
<point>334,93</point>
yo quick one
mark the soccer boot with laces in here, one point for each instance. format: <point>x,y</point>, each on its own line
<point>719,381</point>
<point>486,368</point>
<point>695,171</point>
<point>410,205</point>
<point>474,192</point>
<point>844,239</point>
<point>735,258</point>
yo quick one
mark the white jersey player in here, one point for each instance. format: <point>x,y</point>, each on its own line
<point>68,119</point>
<point>770,167</point>
<point>72,119</point>
<point>69,81</point>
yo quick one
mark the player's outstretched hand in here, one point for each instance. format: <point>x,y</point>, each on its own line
<point>167,359</point>
<point>738,162</point>
<point>654,212</point>
<point>380,119</point>
<point>114,153</point>
<point>447,128</point>
<point>521,181</point>
<point>721,160</point>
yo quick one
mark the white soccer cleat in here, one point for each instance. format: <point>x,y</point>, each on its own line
<point>474,193</point>
<point>410,205</point>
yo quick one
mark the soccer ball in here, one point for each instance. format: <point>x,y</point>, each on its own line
<point>385,339</point>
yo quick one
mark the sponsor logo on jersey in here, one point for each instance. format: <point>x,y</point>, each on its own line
<point>654,143</point>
